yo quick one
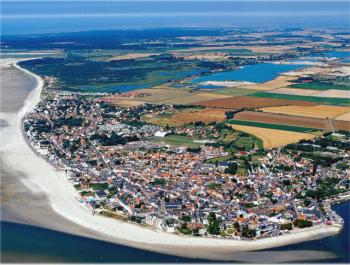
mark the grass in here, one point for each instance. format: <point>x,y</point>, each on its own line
<point>218,159</point>
<point>272,126</point>
<point>320,100</point>
<point>162,121</point>
<point>99,186</point>
<point>176,140</point>
<point>248,142</point>
<point>242,172</point>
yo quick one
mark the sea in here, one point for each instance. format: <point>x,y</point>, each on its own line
<point>25,243</point>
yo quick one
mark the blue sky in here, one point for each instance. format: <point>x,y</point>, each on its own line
<point>44,16</point>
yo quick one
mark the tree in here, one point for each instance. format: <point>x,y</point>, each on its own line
<point>213,227</point>
<point>302,223</point>
<point>231,169</point>
<point>247,232</point>
<point>237,226</point>
<point>287,226</point>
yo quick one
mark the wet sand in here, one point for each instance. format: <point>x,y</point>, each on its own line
<point>15,87</point>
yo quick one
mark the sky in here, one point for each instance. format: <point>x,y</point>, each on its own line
<point>49,16</point>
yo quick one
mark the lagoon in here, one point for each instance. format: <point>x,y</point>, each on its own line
<point>255,73</point>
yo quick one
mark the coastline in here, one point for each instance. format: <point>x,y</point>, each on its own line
<point>62,195</point>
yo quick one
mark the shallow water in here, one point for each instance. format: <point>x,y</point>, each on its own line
<point>256,73</point>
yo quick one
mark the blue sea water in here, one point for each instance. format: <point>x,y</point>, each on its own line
<point>337,54</point>
<point>33,244</point>
<point>24,243</point>
<point>256,73</point>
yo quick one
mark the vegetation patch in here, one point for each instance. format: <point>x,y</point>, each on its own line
<point>320,100</point>
<point>272,126</point>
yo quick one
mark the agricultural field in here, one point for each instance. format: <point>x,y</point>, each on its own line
<point>175,96</point>
<point>319,83</point>
<point>319,111</point>
<point>130,56</point>
<point>281,127</point>
<point>205,116</point>
<point>271,137</point>
<point>126,103</point>
<point>294,91</point>
<point>232,91</point>
<point>279,82</point>
<point>344,117</point>
<point>334,93</point>
<point>162,120</point>
<point>341,124</point>
<point>276,118</point>
<point>241,102</point>
<point>311,99</point>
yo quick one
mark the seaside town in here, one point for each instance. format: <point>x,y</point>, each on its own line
<point>175,131</point>
<point>123,167</point>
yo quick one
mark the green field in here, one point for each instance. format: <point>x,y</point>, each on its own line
<point>176,140</point>
<point>248,141</point>
<point>272,126</point>
<point>321,86</point>
<point>218,159</point>
<point>320,100</point>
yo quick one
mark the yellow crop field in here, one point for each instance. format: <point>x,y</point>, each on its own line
<point>205,115</point>
<point>278,82</point>
<point>176,96</point>
<point>343,117</point>
<point>273,138</point>
<point>319,111</point>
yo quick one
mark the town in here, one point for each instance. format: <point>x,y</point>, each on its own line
<point>123,167</point>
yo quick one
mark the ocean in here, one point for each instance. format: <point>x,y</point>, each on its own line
<point>24,243</point>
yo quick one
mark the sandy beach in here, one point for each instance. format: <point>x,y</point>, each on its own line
<point>47,183</point>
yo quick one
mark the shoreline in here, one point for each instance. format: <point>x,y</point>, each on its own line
<point>62,196</point>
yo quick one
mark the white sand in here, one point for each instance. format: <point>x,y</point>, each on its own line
<point>226,83</point>
<point>42,177</point>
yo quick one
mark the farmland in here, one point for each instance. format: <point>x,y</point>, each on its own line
<point>205,116</point>
<point>320,111</point>
<point>273,138</point>
<point>339,84</point>
<point>278,82</point>
<point>233,91</point>
<point>299,121</point>
<point>251,102</point>
<point>294,91</point>
<point>334,93</point>
<point>344,117</point>
<point>319,100</point>
<point>175,96</point>
<point>271,126</point>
